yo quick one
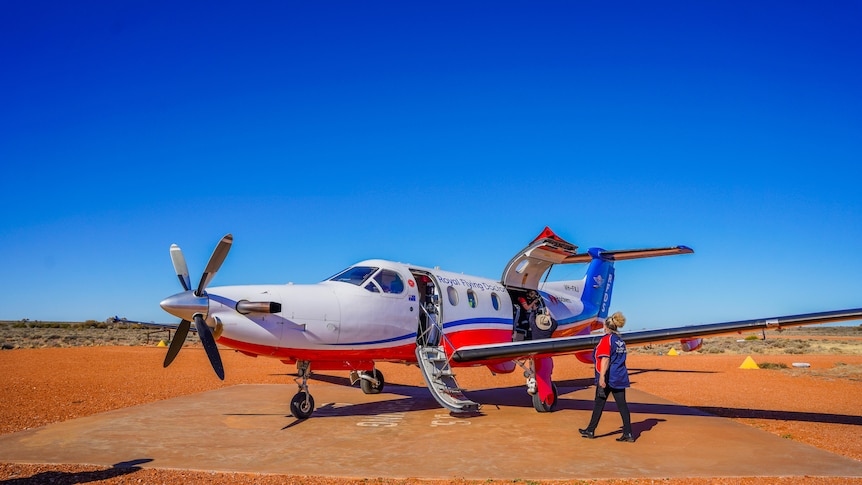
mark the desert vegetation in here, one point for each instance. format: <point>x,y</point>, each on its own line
<point>799,340</point>
<point>30,334</point>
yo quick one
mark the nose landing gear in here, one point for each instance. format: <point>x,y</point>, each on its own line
<point>302,404</point>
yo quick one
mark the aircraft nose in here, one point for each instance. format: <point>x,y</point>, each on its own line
<point>185,305</point>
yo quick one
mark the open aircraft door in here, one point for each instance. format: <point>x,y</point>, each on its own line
<point>525,270</point>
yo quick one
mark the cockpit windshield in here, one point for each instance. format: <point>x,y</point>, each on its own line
<point>354,275</point>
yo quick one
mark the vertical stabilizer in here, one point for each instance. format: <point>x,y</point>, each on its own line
<point>599,284</point>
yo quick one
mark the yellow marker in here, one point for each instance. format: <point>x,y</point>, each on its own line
<point>672,351</point>
<point>162,344</point>
<point>749,363</point>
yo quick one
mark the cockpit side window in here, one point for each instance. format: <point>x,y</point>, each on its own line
<point>355,275</point>
<point>390,281</point>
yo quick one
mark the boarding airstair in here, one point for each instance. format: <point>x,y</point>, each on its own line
<point>436,370</point>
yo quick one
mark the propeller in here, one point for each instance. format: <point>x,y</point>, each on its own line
<point>214,264</point>
<point>180,267</point>
<point>177,342</point>
<point>193,305</point>
<point>206,336</point>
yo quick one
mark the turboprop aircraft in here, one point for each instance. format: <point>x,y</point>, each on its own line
<point>384,311</point>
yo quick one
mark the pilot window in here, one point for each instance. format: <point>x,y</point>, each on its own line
<point>355,275</point>
<point>390,281</point>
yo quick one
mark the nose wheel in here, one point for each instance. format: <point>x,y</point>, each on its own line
<point>302,404</point>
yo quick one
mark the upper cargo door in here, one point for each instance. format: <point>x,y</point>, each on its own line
<point>527,267</point>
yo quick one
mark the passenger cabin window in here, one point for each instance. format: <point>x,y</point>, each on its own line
<point>453,295</point>
<point>495,301</point>
<point>355,275</point>
<point>390,281</point>
<point>471,298</point>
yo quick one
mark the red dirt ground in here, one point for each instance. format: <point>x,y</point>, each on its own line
<point>43,386</point>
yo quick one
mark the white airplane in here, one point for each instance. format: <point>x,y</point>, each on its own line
<point>384,311</point>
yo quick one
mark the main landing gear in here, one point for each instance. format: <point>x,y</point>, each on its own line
<point>542,407</point>
<point>550,402</point>
<point>371,382</point>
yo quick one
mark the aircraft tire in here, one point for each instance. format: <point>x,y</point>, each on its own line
<point>300,407</point>
<point>368,387</point>
<point>542,407</point>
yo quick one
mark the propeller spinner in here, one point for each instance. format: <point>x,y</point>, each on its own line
<point>194,305</point>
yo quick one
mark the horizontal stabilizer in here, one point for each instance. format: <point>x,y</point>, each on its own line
<point>567,345</point>
<point>621,255</point>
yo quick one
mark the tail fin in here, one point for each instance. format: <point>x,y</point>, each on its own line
<point>598,284</point>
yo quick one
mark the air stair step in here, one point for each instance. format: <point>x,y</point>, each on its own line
<point>441,380</point>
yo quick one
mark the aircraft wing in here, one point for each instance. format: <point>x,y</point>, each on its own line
<point>174,326</point>
<point>568,345</point>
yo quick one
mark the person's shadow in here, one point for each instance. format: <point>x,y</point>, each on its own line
<point>644,426</point>
<point>71,478</point>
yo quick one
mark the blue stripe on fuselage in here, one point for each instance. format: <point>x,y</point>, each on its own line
<point>446,326</point>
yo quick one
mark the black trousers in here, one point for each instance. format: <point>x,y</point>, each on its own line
<point>599,406</point>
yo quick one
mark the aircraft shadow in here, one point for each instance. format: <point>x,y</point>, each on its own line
<point>340,381</point>
<point>783,415</point>
<point>517,397</point>
<point>723,412</point>
<point>117,470</point>
<point>633,372</point>
<point>418,398</point>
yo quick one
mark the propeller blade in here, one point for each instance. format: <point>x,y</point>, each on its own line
<point>214,263</point>
<point>180,267</point>
<point>177,342</point>
<point>206,336</point>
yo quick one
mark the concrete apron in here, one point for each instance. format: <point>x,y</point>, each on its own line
<point>402,433</point>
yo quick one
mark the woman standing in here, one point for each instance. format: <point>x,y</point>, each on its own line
<point>612,377</point>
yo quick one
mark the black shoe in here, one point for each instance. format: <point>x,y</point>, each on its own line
<point>626,437</point>
<point>585,433</point>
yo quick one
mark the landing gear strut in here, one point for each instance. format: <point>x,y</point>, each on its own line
<point>302,404</point>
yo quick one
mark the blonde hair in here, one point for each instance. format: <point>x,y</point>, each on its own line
<point>615,321</point>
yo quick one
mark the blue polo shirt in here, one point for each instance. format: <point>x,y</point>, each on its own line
<point>613,347</point>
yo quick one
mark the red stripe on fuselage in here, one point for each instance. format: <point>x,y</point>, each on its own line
<point>400,353</point>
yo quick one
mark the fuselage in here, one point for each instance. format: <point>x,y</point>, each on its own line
<point>375,311</point>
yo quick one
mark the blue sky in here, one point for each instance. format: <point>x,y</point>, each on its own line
<point>437,133</point>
